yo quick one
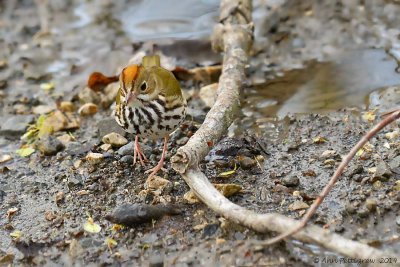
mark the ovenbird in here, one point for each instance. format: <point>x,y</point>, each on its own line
<point>150,104</point>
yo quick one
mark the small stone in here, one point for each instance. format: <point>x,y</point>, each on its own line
<point>88,109</point>
<point>309,173</point>
<point>208,94</point>
<point>156,260</point>
<point>49,215</point>
<point>328,154</point>
<point>350,208</point>
<point>49,145</point>
<point>5,158</point>
<point>94,158</point>
<point>398,220</point>
<point>128,159</point>
<point>43,109</point>
<point>383,171</point>
<point>109,125</point>
<point>59,197</point>
<point>363,212</point>
<point>298,205</point>
<point>110,93</point>
<point>115,139</point>
<point>65,139</point>
<point>377,184</point>
<point>291,181</point>
<point>105,147</point>
<point>59,121</point>
<point>247,163</point>
<point>371,204</point>
<point>15,125</point>
<point>127,149</point>
<point>395,163</point>
<point>89,96</point>
<point>67,106</point>
<point>156,182</point>
<point>329,163</point>
<point>77,163</point>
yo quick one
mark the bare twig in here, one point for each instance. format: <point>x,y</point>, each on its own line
<point>234,36</point>
<point>394,115</point>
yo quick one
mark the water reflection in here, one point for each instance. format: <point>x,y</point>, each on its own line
<point>346,81</point>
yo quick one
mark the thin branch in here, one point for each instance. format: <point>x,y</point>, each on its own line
<point>335,177</point>
<point>234,37</point>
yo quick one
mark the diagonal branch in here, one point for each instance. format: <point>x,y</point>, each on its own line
<point>234,37</point>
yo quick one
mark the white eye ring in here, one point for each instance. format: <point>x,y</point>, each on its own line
<point>143,86</point>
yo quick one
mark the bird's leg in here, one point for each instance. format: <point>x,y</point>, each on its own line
<point>137,152</point>
<point>160,164</point>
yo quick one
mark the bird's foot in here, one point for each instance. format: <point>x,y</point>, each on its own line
<point>137,153</point>
<point>155,169</point>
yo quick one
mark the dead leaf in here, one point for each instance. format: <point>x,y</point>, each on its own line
<point>91,227</point>
<point>25,151</point>
<point>111,243</point>
<point>227,173</point>
<point>97,81</point>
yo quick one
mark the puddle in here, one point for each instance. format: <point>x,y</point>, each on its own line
<point>155,19</point>
<point>321,87</point>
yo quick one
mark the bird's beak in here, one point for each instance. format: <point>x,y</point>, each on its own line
<point>130,97</point>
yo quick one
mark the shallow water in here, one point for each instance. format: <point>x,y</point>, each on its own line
<point>321,87</point>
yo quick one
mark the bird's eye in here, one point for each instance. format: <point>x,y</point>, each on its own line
<point>143,87</point>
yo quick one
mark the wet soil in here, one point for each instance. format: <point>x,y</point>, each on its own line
<point>284,154</point>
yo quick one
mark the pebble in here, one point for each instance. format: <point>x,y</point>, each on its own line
<point>398,220</point>
<point>59,198</point>
<point>395,163</point>
<point>291,181</point>
<point>109,125</point>
<point>67,106</point>
<point>65,139</point>
<point>382,172</point>
<point>371,204</point>
<point>49,145</point>
<point>298,205</point>
<point>43,109</point>
<point>328,154</point>
<point>247,163</point>
<point>115,139</point>
<point>15,125</point>
<point>105,147</point>
<point>128,149</point>
<point>128,159</point>
<point>156,182</point>
<point>88,109</point>
<point>94,158</point>
<point>86,95</point>
<point>208,94</point>
<point>5,158</point>
<point>363,212</point>
<point>350,208</point>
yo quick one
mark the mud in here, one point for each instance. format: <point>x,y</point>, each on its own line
<point>285,144</point>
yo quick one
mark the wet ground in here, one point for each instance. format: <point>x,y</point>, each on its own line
<point>315,71</point>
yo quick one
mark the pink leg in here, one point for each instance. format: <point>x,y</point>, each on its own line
<point>137,152</point>
<point>160,164</point>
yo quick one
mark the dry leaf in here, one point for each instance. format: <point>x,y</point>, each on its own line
<point>227,173</point>
<point>110,243</point>
<point>25,151</point>
<point>91,227</point>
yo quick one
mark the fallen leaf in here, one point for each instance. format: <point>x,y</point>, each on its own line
<point>227,173</point>
<point>91,227</point>
<point>47,86</point>
<point>11,212</point>
<point>319,140</point>
<point>25,151</point>
<point>369,116</point>
<point>16,234</point>
<point>110,243</point>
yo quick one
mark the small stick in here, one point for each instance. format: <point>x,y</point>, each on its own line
<point>394,115</point>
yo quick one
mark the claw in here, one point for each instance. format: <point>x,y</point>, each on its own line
<point>137,153</point>
<point>160,164</point>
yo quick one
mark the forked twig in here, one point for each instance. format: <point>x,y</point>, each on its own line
<point>394,115</point>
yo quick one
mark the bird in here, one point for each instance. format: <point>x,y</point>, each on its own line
<point>149,104</point>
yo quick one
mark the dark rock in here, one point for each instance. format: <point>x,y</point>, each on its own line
<point>210,230</point>
<point>109,125</point>
<point>247,163</point>
<point>182,141</point>
<point>128,159</point>
<point>291,181</point>
<point>15,126</point>
<point>133,214</point>
<point>49,145</point>
<point>382,173</point>
<point>77,148</point>
<point>128,149</point>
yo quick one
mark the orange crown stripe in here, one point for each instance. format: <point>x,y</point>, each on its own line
<point>130,73</point>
